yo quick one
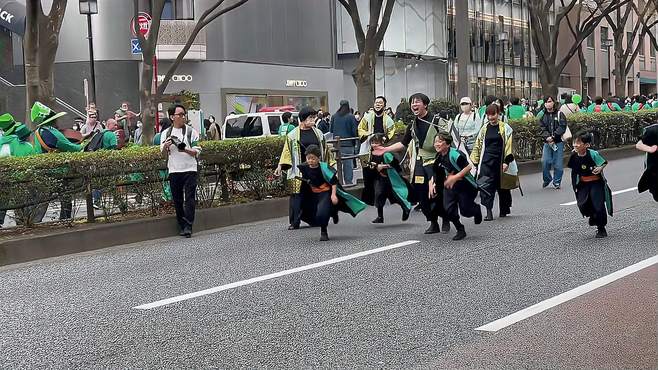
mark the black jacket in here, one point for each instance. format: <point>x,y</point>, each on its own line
<point>553,124</point>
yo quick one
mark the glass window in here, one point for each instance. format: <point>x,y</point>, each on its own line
<point>642,47</point>
<point>274,122</point>
<point>652,51</point>
<point>604,38</point>
<point>590,41</point>
<point>629,41</point>
<point>178,10</point>
<point>244,126</point>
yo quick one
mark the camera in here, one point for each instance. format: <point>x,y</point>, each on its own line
<point>177,143</point>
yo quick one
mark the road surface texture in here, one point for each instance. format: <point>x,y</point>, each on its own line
<point>412,305</point>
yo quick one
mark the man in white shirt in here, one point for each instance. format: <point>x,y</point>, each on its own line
<point>180,144</point>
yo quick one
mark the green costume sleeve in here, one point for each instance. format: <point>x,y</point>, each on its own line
<point>64,144</point>
<point>598,159</point>
<point>109,140</point>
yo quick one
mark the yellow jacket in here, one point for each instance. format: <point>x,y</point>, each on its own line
<point>509,178</point>
<point>291,155</point>
<point>367,126</point>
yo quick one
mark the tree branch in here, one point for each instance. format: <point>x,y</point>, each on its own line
<point>353,11</point>
<point>386,19</point>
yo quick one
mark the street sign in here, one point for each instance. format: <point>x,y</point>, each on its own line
<point>135,48</point>
<point>144,24</point>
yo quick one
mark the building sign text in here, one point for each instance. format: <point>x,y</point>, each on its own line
<point>296,83</point>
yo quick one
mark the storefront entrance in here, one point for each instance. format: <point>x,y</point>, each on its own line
<point>240,103</point>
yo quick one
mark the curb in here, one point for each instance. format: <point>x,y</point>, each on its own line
<point>98,236</point>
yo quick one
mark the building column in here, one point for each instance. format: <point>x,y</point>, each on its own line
<point>462,41</point>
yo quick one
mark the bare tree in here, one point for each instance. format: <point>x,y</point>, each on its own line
<point>149,99</point>
<point>368,42</point>
<point>545,36</point>
<point>40,43</point>
<point>627,52</point>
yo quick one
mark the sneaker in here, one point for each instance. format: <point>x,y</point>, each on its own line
<point>544,185</point>
<point>405,214</point>
<point>378,220</point>
<point>187,232</point>
<point>461,234</point>
<point>557,186</point>
<point>601,233</point>
<point>433,229</point>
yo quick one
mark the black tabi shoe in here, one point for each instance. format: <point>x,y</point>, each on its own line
<point>445,226</point>
<point>405,214</point>
<point>461,234</point>
<point>504,213</point>
<point>489,216</point>
<point>601,233</point>
<point>324,236</point>
<point>378,220</point>
<point>478,217</point>
<point>433,229</point>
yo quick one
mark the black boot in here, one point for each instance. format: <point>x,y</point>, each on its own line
<point>478,216</point>
<point>405,214</point>
<point>461,233</point>
<point>378,220</point>
<point>601,232</point>
<point>489,216</point>
<point>445,226</point>
<point>433,229</point>
<point>323,234</point>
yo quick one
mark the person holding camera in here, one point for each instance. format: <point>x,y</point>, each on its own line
<point>181,147</point>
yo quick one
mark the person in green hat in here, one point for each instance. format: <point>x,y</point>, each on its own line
<point>47,137</point>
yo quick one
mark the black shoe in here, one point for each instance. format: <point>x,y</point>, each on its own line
<point>405,215</point>
<point>445,226</point>
<point>461,234</point>
<point>187,232</point>
<point>293,227</point>
<point>601,233</point>
<point>378,220</point>
<point>182,232</point>
<point>433,229</point>
<point>324,236</point>
<point>478,217</point>
<point>489,216</point>
<point>504,213</point>
<point>544,185</point>
<point>335,218</point>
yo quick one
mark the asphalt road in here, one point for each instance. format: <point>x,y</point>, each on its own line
<point>414,306</point>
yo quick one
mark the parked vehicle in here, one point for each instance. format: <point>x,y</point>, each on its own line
<point>262,124</point>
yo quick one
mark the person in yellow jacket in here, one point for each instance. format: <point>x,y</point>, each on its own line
<point>497,169</point>
<point>293,154</point>
<point>377,121</point>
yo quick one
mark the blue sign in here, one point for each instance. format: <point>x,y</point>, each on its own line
<point>135,47</point>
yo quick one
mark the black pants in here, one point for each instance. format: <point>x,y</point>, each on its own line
<point>591,201</point>
<point>183,192</point>
<point>313,208</point>
<point>432,208</point>
<point>460,199</point>
<point>504,198</point>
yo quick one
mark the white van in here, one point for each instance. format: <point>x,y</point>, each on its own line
<point>239,126</point>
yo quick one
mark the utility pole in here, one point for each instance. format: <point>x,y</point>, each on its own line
<point>463,45</point>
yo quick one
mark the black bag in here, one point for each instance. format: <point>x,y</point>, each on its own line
<point>96,142</point>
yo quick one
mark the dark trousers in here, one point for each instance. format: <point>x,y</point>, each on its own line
<point>591,201</point>
<point>313,208</point>
<point>460,199</point>
<point>183,192</point>
<point>504,198</point>
<point>432,208</point>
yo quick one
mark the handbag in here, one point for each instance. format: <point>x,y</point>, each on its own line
<point>567,133</point>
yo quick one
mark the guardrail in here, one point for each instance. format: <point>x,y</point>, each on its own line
<point>339,156</point>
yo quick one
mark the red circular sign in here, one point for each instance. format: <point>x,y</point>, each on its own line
<point>144,24</point>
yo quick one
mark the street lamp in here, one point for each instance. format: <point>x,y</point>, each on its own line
<point>504,36</point>
<point>608,44</point>
<point>89,7</point>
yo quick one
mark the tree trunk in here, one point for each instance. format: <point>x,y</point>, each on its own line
<point>620,78</point>
<point>549,79</point>
<point>148,102</point>
<point>364,77</point>
<point>31,47</point>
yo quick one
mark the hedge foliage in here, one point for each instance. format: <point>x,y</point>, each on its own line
<point>234,169</point>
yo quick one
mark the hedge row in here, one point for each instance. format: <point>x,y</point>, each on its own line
<point>239,169</point>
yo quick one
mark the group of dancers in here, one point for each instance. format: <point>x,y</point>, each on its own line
<point>445,177</point>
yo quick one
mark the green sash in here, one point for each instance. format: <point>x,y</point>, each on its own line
<point>397,183</point>
<point>600,161</point>
<point>454,155</point>
<point>352,202</point>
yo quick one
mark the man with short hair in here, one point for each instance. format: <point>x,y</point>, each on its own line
<point>180,145</point>
<point>287,126</point>
<point>377,121</point>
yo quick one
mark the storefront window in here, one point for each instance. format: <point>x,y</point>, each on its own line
<point>241,104</point>
<point>178,10</point>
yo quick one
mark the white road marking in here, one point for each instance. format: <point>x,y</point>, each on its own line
<point>566,296</point>
<point>613,193</point>
<point>217,289</point>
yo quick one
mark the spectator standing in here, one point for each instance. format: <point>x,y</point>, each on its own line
<point>181,147</point>
<point>553,125</point>
<point>569,107</point>
<point>515,110</point>
<point>467,123</point>
<point>91,126</point>
<point>215,130</point>
<point>125,118</point>
<point>344,124</point>
<point>322,124</point>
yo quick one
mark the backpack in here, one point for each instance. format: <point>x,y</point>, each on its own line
<point>597,108</point>
<point>96,142</point>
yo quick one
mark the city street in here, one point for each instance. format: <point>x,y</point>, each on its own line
<point>384,296</point>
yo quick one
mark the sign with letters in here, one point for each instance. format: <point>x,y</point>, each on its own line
<point>296,83</point>
<point>12,16</point>
<point>177,78</point>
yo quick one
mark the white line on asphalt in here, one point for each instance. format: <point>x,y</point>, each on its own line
<point>566,296</point>
<point>613,193</point>
<point>200,293</point>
